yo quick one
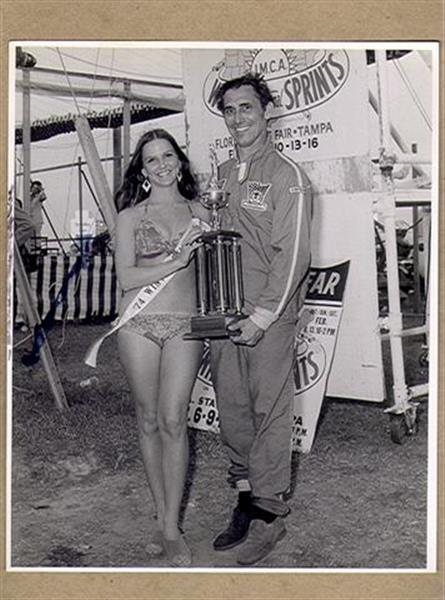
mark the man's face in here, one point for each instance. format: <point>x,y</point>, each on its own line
<point>245,118</point>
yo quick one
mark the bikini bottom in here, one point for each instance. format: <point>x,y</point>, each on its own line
<point>159,328</point>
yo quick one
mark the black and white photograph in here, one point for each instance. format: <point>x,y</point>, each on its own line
<point>178,211</point>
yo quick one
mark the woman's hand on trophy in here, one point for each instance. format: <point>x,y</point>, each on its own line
<point>183,253</point>
<point>188,244</point>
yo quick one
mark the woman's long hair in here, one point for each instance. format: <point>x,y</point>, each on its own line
<point>131,192</point>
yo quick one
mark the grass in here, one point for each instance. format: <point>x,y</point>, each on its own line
<point>80,496</point>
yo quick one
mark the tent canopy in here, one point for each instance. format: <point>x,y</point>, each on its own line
<point>68,80</point>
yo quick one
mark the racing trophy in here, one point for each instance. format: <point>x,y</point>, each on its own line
<point>219,286</point>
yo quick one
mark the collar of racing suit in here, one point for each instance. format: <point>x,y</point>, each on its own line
<point>244,167</point>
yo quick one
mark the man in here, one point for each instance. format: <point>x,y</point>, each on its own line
<point>38,196</point>
<point>253,373</point>
<point>24,228</point>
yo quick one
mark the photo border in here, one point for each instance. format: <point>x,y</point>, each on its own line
<point>205,20</point>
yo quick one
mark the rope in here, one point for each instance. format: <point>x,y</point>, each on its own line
<point>70,185</point>
<point>94,78</point>
<point>413,94</point>
<point>69,82</point>
<point>62,341</point>
<point>77,144</point>
<point>127,72</point>
<point>40,330</point>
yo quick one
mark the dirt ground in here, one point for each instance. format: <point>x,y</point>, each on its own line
<point>79,496</point>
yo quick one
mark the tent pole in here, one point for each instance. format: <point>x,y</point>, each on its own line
<point>79,178</point>
<point>388,204</point>
<point>26,191</point>
<point>117,159</point>
<point>126,119</point>
<point>395,135</point>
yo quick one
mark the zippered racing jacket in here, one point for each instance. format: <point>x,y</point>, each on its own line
<point>269,195</point>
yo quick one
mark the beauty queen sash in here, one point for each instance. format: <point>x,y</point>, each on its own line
<point>143,298</point>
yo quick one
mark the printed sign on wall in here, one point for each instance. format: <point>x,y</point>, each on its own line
<point>314,348</point>
<point>318,96</point>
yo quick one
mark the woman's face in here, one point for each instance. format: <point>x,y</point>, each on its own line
<point>160,163</point>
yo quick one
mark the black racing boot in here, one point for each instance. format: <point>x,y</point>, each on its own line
<point>238,528</point>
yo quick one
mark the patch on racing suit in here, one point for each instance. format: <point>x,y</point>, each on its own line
<point>256,195</point>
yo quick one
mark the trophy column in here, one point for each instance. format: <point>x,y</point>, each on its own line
<point>219,288</point>
<point>219,282</point>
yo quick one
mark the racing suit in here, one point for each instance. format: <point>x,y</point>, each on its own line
<point>254,385</point>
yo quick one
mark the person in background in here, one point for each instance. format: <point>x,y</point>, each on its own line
<point>253,372</point>
<point>24,233</point>
<point>38,197</point>
<point>24,227</point>
<point>155,237</point>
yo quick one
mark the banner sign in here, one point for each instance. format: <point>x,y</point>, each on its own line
<point>315,341</point>
<point>92,293</point>
<point>203,413</point>
<point>318,96</point>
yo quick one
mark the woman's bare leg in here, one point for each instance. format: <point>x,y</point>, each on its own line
<point>141,361</point>
<point>179,365</point>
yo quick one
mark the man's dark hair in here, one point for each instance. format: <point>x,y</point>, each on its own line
<point>255,80</point>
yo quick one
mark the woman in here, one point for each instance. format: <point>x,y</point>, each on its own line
<point>155,207</point>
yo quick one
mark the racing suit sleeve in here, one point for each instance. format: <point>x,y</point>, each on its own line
<point>290,242</point>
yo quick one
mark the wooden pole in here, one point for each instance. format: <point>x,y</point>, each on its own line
<point>100,182</point>
<point>33,319</point>
<point>26,97</point>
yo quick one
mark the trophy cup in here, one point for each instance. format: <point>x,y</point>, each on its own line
<point>219,286</point>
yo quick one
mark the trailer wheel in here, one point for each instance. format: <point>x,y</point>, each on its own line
<point>397,428</point>
<point>423,359</point>
<point>403,425</point>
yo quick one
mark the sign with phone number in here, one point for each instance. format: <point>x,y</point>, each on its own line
<point>203,413</point>
<point>315,340</point>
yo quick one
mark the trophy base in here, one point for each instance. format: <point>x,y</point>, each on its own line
<point>211,327</point>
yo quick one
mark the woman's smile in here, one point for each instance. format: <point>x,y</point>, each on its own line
<point>160,163</point>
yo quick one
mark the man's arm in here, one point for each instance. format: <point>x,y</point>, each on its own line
<point>291,245</point>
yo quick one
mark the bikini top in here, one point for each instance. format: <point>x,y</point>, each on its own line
<point>150,242</point>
